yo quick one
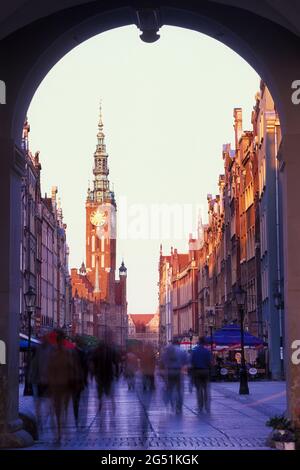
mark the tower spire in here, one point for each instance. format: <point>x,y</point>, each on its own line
<point>101,193</point>
<point>100,135</point>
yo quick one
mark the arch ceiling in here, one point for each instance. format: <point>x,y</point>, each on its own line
<point>18,13</point>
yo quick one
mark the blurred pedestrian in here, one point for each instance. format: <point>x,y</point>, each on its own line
<point>201,364</point>
<point>78,377</point>
<point>174,359</point>
<point>39,378</point>
<point>131,368</point>
<point>60,380</point>
<point>147,363</point>
<point>105,362</point>
<point>190,372</point>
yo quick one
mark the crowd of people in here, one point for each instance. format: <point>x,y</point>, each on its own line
<point>60,372</point>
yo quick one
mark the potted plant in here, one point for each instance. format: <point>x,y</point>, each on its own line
<point>285,441</point>
<point>280,423</point>
<point>282,435</point>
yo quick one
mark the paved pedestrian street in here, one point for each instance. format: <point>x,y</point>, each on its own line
<point>142,421</point>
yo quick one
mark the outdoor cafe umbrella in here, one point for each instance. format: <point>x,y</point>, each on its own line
<point>230,335</point>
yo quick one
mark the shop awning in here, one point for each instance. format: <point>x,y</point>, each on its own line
<point>230,335</point>
<point>23,342</point>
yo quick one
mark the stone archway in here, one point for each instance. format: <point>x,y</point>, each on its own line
<point>27,55</point>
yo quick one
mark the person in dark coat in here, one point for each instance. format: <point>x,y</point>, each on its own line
<point>105,363</point>
<point>201,364</point>
<point>131,368</point>
<point>39,378</point>
<point>60,380</point>
<point>148,362</point>
<point>78,379</point>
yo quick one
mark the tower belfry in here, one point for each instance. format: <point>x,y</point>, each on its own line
<point>101,190</point>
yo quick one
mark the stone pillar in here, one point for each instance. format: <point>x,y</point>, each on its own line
<point>12,162</point>
<point>291,226</point>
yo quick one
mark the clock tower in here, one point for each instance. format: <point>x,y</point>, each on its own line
<point>103,313</point>
<point>101,225</point>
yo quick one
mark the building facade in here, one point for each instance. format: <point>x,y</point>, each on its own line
<point>165,300</point>
<point>144,328</point>
<point>44,251</point>
<point>84,319</point>
<point>241,245</point>
<point>106,293</point>
<point>268,138</point>
<point>178,304</point>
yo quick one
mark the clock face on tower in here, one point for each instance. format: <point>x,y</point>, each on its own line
<point>98,218</point>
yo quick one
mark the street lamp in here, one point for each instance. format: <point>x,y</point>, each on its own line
<point>240,297</point>
<point>30,298</point>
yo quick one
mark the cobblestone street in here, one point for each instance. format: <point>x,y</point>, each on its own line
<point>141,420</point>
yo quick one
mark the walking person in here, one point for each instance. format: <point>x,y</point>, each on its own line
<point>148,362</point>
<point>201,364</point>
<point>174,359</point>
<point>78,378</point>
<point>131,368</point>
<point>60,380</point>
<point>39,379</point>
<point>106,370</point>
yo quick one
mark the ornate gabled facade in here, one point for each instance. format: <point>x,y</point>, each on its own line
<point>107,294</point>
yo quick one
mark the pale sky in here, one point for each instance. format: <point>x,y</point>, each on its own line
<point>167,111</point>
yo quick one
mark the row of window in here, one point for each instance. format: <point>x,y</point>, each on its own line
<point>250,243</point>
<point>249,196</point>
<point>102,261</point>
<point>185,320</point>
<point>102,243</point>
<point>46,321</point>
<point>185,293</point>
